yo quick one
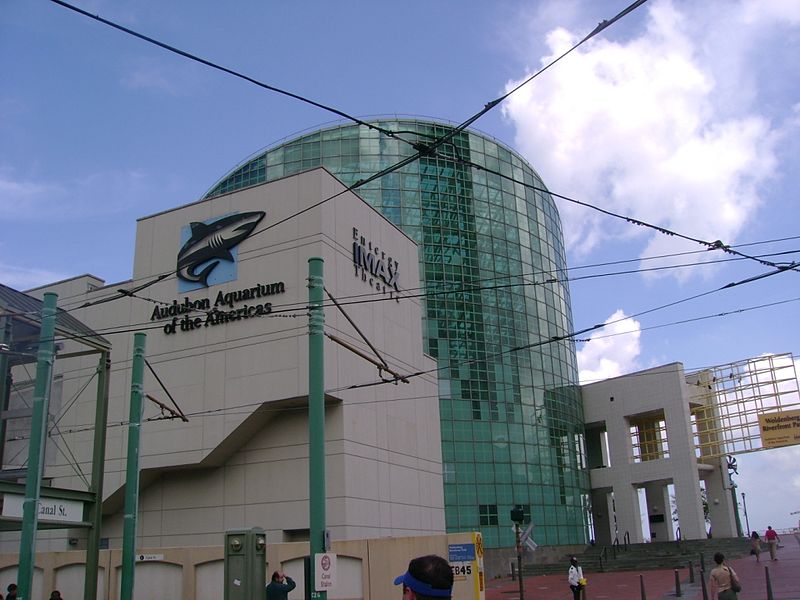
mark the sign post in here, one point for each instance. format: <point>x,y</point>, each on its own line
<point>132,471</point>
<point>466,560</point>
<point>36,447</point>
<point>316,419</point>
<point>518,515</point>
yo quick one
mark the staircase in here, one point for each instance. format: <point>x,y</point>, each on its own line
<point>646,557</point>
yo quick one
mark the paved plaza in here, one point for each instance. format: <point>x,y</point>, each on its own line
<point>660,585</point>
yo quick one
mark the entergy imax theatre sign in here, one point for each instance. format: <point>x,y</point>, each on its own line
<point>209,257</point>
<point>375,267</point>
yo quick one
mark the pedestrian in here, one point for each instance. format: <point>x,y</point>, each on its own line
<point>575,577</point>
<point>772,541</point>
<point>427,578</point>
<point>12,591</point>
<point>723,581</point>
<point>280,586</point>
<point>755,545</point>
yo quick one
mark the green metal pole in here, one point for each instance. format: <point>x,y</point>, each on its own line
<point>316,416</point>
<point>132,471</point>
<point>33,479</point>
<point>736,510</point>
<point>98,470</point>
<point>5,377</point>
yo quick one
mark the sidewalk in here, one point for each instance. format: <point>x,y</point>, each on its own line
<point>660,585</point>
<point>784,573</point>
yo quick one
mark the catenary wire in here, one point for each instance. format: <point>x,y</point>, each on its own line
<point>475,286</point>
<point>65,300</point>
<point>574,334</point>
<point>302,308</point>
<point>223,69</point>
<point>232,410</point>
<point>421,149</point>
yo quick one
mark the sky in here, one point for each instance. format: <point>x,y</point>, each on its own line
<point>683,114</point>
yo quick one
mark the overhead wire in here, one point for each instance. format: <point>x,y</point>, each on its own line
<point>427,149</point>
<point>569,336</point>
<point>421,149</point>
<point>233,410</point>
<point>298,308</point>
<point>218,67</point>
<point>473,286</point>
<point>715,245</point>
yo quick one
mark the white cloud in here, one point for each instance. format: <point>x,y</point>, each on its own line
<point>153,76</point>
<point>21,278</point>
<point>663,126</point>
<point>766,476</point>
<point>19,196</point>
<point>24,199</point>
<point>612,351</point>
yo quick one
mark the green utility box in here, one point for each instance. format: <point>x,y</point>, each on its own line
<point>245,564</point>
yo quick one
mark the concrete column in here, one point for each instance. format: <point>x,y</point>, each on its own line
<point>685,474</point>
<point>603,515</point>
<point>626,500</point>
<point>720,505</point>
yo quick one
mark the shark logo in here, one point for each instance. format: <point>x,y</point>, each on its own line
<point>211,243</point>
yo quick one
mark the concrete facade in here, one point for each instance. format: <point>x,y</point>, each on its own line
<point>639,437</point>
<point>241,460</point>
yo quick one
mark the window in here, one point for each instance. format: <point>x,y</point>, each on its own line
<point>488,514</point>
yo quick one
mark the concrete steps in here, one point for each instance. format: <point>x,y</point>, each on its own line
<point>643,557</point>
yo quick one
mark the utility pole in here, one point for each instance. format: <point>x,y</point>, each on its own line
<point>746,518</point>
<point>732,468</point>
<point>132,470</point>
<point>518,515</point>
<point>316,418</point>
<point>33,478</point>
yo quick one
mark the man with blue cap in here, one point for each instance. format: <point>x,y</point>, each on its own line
<point>428,578</point>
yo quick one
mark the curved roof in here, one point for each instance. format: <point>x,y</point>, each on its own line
<point>254,169</point>
<point>25,312</point>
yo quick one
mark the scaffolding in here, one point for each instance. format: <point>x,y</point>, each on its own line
<point>728,399</point>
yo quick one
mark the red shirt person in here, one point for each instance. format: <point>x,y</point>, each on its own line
<point>772,541</point>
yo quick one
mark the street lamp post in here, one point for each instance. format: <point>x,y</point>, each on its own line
<point>517,516</point>
<point>746,519</point>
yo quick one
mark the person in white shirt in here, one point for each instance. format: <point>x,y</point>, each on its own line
<point>575,576</point>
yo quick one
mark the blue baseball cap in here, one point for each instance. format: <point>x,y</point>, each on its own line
<point>421,587</point>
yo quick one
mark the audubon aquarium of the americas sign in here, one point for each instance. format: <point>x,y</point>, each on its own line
<point>209,257</point>
<point>373,266</point>
<point>227,307</point>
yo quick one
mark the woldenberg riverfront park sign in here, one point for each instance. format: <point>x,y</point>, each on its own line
<point>780,428</point>
<point>245,303</point>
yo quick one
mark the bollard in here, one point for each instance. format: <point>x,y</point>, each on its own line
<point>769,584</point>
<point>703,584</point>
<point>702,562</point>
<point>513,572</point>
<point>691,572</point>
<point>641,587</point>
<point>678,584</point>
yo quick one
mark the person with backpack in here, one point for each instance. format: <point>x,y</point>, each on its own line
<point>723,582</point>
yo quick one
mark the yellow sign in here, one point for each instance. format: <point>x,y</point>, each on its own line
<point>479,587</point>
<point>780,428</point>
